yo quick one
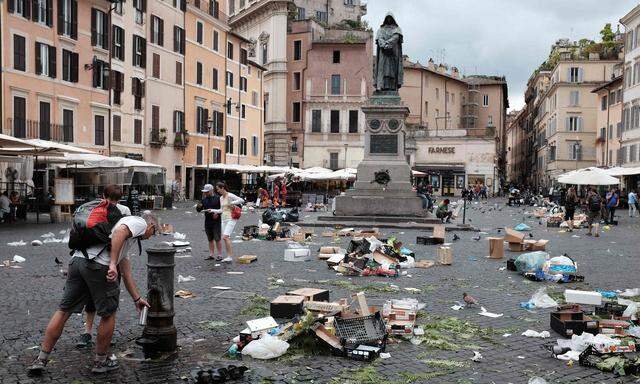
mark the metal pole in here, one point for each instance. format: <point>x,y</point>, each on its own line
<point>209,147</point>
<point>239,95</point>
<point>464,211</point>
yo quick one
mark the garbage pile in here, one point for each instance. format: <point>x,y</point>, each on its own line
<point>372,257</point>
<point>539,266</point>
<point>308,321</point>
<point>604,336</point>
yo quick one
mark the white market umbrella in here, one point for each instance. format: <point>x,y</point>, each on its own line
<point>588,177</point>
<point>622,171</point>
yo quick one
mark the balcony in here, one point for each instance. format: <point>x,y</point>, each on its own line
<point>158,137</point>
<point>181,140</point>
<point>209,8</point>
<point>33,129</point>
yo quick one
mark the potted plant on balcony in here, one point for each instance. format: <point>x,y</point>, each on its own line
<point>181,139</point>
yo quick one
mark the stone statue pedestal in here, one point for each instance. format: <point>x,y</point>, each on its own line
<point>384,155</point>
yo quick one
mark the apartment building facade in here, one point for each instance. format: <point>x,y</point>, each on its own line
<point>629,155</point>
<point>571,128</point>
<point>609,122</point>
<point>329,81</point>
<point>165,126</point>
<point>330,12</point>
<point>537,127</point>
<point>264,24</point>
<point>54,80</point>
<point>456,126</point>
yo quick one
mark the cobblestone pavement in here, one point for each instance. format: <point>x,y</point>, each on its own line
<point>30,295</point>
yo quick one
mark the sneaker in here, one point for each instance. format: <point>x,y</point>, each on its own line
<point>219,258</point>
<point>108,365</point>
<point>37,367</point>
<point>227,260</point>
<point>84,341</point>
<point>209,257</point>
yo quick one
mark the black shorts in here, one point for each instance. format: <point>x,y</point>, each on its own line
<point>213,231</point>
<point>87,286</point>
<point>569,213</point>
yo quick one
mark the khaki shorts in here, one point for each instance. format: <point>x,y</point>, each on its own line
<point>87,284</point>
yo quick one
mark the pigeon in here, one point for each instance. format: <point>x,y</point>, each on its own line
<point>469,300</point>
<point>531,235</point>
<point>477,238</point>
<point>456,237</point>
<point>499,230</point>
<point>58,262</point>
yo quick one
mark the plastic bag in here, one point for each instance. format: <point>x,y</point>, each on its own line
<point>537,380</point>
<point>540,299</point>
<point>522,227</point>
<point>532,333</point>
<point>531,261</point>
<point>561,264</point>
<point>631,311</point>
<point>266,347</point>
<point>409,263</point>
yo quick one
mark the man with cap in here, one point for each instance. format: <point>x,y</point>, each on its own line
<point>210,202</point>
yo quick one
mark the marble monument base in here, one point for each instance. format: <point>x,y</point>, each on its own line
<point>384,152</point>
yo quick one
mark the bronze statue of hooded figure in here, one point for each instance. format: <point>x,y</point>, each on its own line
<point>388,72</point>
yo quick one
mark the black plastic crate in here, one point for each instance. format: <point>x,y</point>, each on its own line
<point>368,330</point>
<point>511,265</point>
<point>610,309</point>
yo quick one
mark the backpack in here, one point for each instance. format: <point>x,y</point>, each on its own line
<point>595,203</point>
<point>92,225</point>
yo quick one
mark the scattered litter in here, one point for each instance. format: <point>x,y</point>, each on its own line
<point>457,307</point>
<point>484,312</point>
<point>36,243</point>
<point>266,347</point>
<point>51,240</point>
<point>506,334</point>
<point>17,243</point>
<point>631,292</point>
<point>48,235</point>
<point>413,290</point>
<point>477,356</point>
<point>182,279</point>
<point>184,294</point>
<point>385,355</point>
<point>532,333</point>
<point>235,273</point>
<point>179,236</point>
<point>18,259</point>
<point>540,299</point>
<point>522,227</point>
<point>221,288</point>
<point>537,380</point>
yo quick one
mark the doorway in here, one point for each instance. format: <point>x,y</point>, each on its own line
<point>187,183</point>
<point>448,186</point>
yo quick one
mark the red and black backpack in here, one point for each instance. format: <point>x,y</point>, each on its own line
<point>92,225</point>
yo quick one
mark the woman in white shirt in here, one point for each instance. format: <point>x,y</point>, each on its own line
<point>227,202</point>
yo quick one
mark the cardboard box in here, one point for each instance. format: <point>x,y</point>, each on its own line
<point>286,307</point>
<point>439,232</point>
<point>331,250</point>
<point>401,322</point>
<point>445,255</point>
<point>332,260</point>
<point>570,320</point>
<point>582,297</point>
<point>513,236</point>
<point>516,247</point>
<point>299,237</point>
<point>297,254</point>
<point>311,294</point>
<point>496,247</point>
<point>258,326</point>
<point>334,342</point>
<point>540,245</point>
<point>430,240</point>
<point>247,259</point>
<point>383,259</point>
<point>425,264</point>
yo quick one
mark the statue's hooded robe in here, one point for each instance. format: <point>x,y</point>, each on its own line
<point>389,71</point>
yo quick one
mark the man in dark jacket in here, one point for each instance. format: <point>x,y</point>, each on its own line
<point>211,201</point>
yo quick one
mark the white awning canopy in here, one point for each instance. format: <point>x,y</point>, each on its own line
<point>588,176</point>
<point>10,145</point>
<point>96,161</point>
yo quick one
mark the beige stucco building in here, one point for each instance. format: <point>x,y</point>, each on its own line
<point>609,122</point>
<point>629,155</point>
<point>456,126</point>
<point>52,88</point>
<point>330,12</point>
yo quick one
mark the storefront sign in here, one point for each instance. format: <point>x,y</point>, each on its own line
<point>383,144</point>
<point>443,150</point>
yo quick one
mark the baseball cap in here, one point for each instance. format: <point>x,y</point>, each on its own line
<point>207,188</point>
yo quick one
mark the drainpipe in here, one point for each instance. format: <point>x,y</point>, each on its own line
<point>606,131</point>
<point>239,105</point>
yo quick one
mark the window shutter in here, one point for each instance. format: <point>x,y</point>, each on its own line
<point>183,5</point>
<point>105,32</point>
<point>121,81</point>
<point>181,116</point>
<point>95,75</point>
<point>161,34</point>
<point>205,117</point>
<point>10,6</point>
<point>144,5</point>
<point>112,47</point>
<point>215,78</point>
<point>106,84</point>
<point>60,17</point>
<point>220,123</point>
<point>175,38</point>
<point>74,19</point>
<point>74,67</point>
<point>143,88</point>
<point>49,13</point>
<point>567,124</point>
<point>579,123</point>
<point>134,86</point>
<point>182,41</point>
<point>38,60</point>
<point>94,37</point>
<point>175,123</point>
<point>143,42</point>
<point>569,74</point>
<point>580,75</point>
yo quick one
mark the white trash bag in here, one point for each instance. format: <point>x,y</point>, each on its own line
<point>541,300</point>
<point>266,347</point>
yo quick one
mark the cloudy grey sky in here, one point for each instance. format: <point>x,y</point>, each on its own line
<point>501,37</point>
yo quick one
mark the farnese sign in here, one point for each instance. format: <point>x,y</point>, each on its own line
<point>443,150</point>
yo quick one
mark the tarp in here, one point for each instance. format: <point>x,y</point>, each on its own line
<point>588,176</point>
<point>10,145</point>
<point>96,161</point>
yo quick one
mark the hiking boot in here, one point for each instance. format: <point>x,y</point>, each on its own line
<point>84,341</point>
<point>100,367</point>
<point>37,367</point>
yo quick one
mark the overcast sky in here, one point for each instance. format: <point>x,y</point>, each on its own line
<point>495,37</point>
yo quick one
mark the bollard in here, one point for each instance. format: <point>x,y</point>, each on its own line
<point>159,336</point>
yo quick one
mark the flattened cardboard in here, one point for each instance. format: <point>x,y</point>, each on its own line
<point>247,259</point>
<point>311,294</point>
<point>513,236</point>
